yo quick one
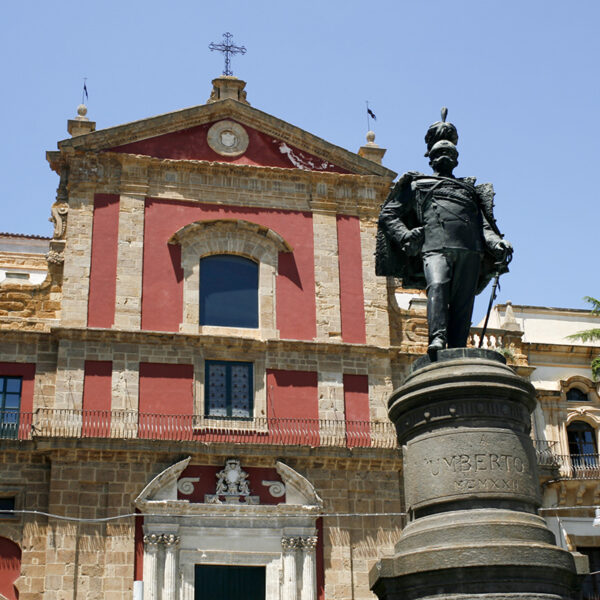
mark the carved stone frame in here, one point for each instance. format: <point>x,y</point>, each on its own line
<point>237,237</point>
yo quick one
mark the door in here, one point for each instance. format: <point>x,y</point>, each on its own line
<point>228,582</point>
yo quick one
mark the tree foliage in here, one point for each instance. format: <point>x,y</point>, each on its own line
<point>590,335</point>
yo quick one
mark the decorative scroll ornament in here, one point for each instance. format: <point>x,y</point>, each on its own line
<point>55,257</point>
<point>152,540</point>
<point>308,543</point>
<point>170,540</point>
<point>233,486</point>
<point>58,216</point>
<point>227,138</point>
<point>276,488</point>
<point>289,544</point>
<point>186,485</point>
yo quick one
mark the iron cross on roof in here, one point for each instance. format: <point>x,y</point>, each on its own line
<point>227,48</point>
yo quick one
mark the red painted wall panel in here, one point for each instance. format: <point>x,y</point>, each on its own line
<point>320,560</point>
<point>356,406</point>
<point>103,269</point>
<point>97,395</point>
<point>263,150</point>
<point>138,560</point>
<point>292,394</point>
<point>207,483</point>
<point>162,298</point>
<point>166,389</point>
<point>10,568</point>
<point>352,300</point>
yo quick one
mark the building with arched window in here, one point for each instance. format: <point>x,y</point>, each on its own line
<point>194,369</point>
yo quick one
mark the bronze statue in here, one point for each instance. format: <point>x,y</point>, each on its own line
<point>438,232</point>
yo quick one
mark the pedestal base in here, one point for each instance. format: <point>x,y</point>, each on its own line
<point>471,488</point>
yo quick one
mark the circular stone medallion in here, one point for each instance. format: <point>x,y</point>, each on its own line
<point>227,138</point>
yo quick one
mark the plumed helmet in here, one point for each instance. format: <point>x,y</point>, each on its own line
<point>441,131</point>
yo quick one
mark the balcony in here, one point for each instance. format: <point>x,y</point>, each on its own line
<point>566,466</point>
<point>121,424</point>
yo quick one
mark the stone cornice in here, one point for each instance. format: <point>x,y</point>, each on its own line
<point>157,451</point>
<point>194,180</point>
<point>199,115</point>
<point>246,344</point>
<point>559,353</point>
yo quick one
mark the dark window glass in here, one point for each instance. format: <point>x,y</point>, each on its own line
<point>591,583</point>
<point>228,291</point>
<point>576,395</point>
<point>229,391</point>
<point>10,404</point>
<point>7,504</point>
<point>582,438</point>
<point>231,582</point>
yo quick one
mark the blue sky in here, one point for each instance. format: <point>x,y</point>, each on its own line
<point>520,79</point>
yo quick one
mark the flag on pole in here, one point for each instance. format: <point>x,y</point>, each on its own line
<point>84,95</point>
<point>371,114</point>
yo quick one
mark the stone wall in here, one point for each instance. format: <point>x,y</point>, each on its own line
<point>95,561</point>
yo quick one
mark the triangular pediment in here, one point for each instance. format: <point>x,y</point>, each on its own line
<point>226,131</point>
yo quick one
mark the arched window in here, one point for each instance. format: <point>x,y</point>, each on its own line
<point>228,291</point>
<point>576,395</point>
<point>582,438</point>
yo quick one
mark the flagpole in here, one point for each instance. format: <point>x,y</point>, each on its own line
<point>84,91</point>
<point>368,122</point>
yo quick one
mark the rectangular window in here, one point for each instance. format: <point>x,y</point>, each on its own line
<point>229,389</point>
<point>10,405</point>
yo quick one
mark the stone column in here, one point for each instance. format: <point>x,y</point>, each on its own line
<point>169,588</point>
<point>309,568</point>
<point>471,488</point>
<point>151,542</point>
<point>290,586</point>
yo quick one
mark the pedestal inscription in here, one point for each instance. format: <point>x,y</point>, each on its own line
<point>462,464</point>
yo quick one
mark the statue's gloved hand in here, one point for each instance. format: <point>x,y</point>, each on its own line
<point>503,251</point>
<point>413,242</point>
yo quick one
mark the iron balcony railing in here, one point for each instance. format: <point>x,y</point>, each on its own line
<point>567,466</point>
<point>126,424</point>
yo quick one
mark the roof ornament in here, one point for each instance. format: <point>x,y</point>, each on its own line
<point>227,48</point>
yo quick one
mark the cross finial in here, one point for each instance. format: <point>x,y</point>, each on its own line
<point>227,48</point>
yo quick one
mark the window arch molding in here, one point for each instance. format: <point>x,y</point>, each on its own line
<point>236,237</point>
<point>583,384</point>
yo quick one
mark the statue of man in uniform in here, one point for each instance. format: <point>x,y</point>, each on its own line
<point>438,232</point>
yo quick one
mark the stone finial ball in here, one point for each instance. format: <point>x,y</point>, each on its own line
<point>370,137</point>
<point>82,110</point>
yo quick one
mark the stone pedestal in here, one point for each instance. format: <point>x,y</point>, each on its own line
<point>471,488</point>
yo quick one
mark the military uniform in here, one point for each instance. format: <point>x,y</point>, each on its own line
<point>455,225</point>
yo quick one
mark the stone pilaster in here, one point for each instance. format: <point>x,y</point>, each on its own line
<point>309,568</point>
<point>375,288</point>
<point>151,542</point>
<point>290,577</point>
<point>169,587</point>
<point>69,375</point>
<point>78,253</point>
<point>327,276</point>
<point>128,306</point>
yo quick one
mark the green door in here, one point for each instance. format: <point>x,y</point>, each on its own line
<point>224,582</point>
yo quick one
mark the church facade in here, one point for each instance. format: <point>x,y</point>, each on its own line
<point>194,380</point>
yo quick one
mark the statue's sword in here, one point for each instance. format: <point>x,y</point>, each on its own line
<point>506,258</point>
